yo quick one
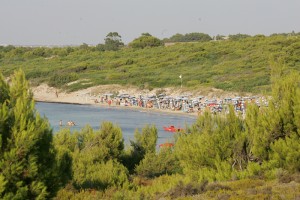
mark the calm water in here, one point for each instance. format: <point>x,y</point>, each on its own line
<point>127,119</point>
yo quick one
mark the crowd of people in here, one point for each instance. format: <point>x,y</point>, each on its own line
<point>182,103</point>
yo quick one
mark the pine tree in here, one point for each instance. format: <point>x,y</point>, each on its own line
<point>146,140</point>
<point>64,144</point>
<point>92,156</point>
<point>273,130</point>
<point>279,119</point>
<point>157,164</point>
<point>27,156</point>
<point>215,148</point>
<point>144,143</point>
<point>285,147</point>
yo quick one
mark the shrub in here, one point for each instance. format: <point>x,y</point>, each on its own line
<point>181,190</point>
<point>154,165</point>
<point>59,80</point>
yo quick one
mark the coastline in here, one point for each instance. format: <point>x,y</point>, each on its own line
<point>44,93</point>
<point>40,101</point>
<point>105,105</point>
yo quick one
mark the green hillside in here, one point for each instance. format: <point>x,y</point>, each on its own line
<point>241,65</point>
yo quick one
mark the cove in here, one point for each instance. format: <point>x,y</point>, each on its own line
<point>127,119</point>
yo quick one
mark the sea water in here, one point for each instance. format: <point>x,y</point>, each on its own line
<point>127,119</point>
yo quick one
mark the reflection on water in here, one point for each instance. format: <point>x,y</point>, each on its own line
<point>127,119</point>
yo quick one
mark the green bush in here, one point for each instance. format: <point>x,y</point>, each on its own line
<point>59,80</point>
<point>154,165</point>
<point>145,41</point>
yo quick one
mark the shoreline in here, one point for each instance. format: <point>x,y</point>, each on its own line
<point>46,94</point>
<point>91,95</point>
<point>42,101</point>
<point>104,105</point>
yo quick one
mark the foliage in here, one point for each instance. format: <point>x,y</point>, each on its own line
<point>215,149</point>
<point>238,36</point>
<point>189,37</point>
<point>219,37</point>
<point>64,144</point>
<point>90,158</point>
<point>27,157</point>
<point>274,133</point>
<point>61,79</point>
<point>233,65</point>
<point>182,190</point>
<point>225,147</point>
<point>145,40</point>
<point>154,165</point>
<point>93,164</point>
<point>113,41</point>
<point>144,143</point>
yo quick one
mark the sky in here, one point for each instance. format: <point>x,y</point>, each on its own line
<point>74,22</point>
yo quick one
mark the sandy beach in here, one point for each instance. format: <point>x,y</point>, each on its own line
<point>44,93</point>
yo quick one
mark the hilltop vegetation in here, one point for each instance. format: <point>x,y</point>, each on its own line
<point>241,63</point>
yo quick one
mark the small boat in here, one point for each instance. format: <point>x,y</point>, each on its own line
<point>172,129</point>
<point>167,144</point>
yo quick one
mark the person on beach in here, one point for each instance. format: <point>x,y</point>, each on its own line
<point>71,123</point>
<point>60,122</point>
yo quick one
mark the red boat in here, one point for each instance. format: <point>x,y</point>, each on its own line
<point>167,144</point>
<point>172,129</point>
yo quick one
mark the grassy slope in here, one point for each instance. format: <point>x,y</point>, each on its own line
<point>242,65</point>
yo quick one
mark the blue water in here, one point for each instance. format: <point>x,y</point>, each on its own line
<point>127,119</point>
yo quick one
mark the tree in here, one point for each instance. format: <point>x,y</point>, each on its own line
<point>84,46</point>
<point>27,155</point>
<point>100,47</point>
<point>146,140</point>
<point>275,139</point>
<point>215,149</point>
<point>219,37</point>
<point>64,144</point>
<point>145,40</point>
<point>199,37</point>
<point>113,41</point>
<point>238,36</point>
<point>175,38</point>
<point>93,155</point>
<point>153,164</point>
<point>146,34</point>
<point>145,143</point>
<point>190,37</point>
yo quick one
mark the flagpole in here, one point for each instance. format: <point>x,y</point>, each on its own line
<point>180,80</point>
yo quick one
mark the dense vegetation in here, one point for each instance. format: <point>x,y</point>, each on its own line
<point>220,156</point>
<point>189,37</point>
<point>27,167</point>
<point>241,63</point>
<point>145,40</point>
